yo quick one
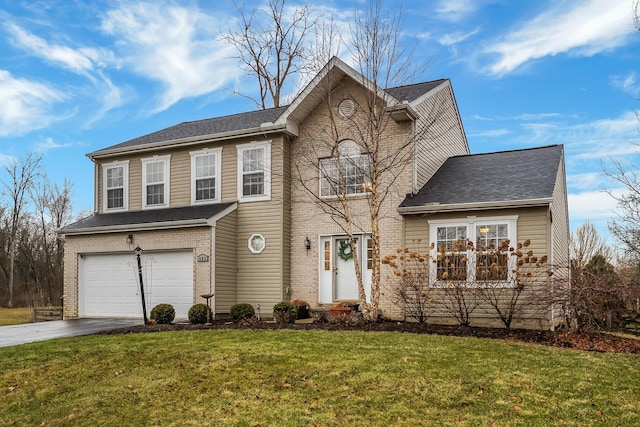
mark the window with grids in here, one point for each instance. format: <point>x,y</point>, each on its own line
<point>451,244</point>
<point>155,177</point>
<point>475,249</point>
<point>347,173</point>
<point>205,171</point>
<point>254,171</point>
<point>115,187</point>
<point>492,255</point>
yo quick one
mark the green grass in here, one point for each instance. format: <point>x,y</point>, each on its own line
<point>14,316</point>
<point>306,378</point>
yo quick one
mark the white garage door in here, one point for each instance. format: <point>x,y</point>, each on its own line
<point>108,284</point>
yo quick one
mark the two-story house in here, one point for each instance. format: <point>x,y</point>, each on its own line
<point>233,205</point>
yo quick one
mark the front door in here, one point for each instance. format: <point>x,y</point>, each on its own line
<point>337,275</point>
<point>346,282</point>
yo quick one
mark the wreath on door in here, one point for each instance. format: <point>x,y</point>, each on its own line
<point>344,251</point>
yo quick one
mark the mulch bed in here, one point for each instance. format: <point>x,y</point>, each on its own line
<point>603,342</point>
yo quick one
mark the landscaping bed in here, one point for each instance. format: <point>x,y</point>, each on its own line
<point>586,341</point>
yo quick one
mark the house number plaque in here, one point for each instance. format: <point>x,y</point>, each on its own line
<point>203,258</point>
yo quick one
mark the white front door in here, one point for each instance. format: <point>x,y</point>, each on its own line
<point>346,282</point>
<point>337,275</point>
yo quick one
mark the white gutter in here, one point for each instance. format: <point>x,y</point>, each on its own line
<point>263,129</point>
<point>450,207</point>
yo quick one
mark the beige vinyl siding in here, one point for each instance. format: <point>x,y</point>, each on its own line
<point>225,263</point>
<point>439,133</point>
<point>260,276</point>
<point>532,225</point>
<point>180,179</point>
<point>560,225</point>
<point>285,196</point>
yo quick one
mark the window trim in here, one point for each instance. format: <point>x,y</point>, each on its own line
<point>166,160</point>
<point>124,164</point>
<point>241,148</point>
<point>334,159</point>
<point>217,152</point>
<point>470,222</point>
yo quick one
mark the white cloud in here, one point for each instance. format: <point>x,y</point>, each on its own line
<point>79,60</point>
<point>25,105</point>
<point>49,144</point>
<point>584,29</point>
<point>455,10</point>
<point>628,84</point>
<point>176,46</point>
<point>456,37</point>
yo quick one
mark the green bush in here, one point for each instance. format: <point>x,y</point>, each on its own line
<point>242,311</point>
<point>198,313</point>
<point>163,313</point>
<point>285,312</point>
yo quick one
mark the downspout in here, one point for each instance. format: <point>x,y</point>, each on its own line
<point>95,187</point>
<point>212,266</point>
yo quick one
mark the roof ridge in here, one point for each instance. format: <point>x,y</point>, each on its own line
<point>506,151</point>
<point>416,84</point>
<point>259,110</point>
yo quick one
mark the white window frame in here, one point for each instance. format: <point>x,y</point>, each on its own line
<point>470,222</point>
<point>266,195</point>
<point>217,152</point>
<point>258,237</point>
<point>166,161</point>
<point>125,193</point>
<point>332,162</point>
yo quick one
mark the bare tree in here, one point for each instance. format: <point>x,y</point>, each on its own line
<point>22,175</point>
<point>271,51</point>
<point>53,210</point>
<point>586,243</point>
<point>366,141</point>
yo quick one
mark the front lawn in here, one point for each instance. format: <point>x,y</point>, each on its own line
<point>305,378</point>
<point>14,316</point>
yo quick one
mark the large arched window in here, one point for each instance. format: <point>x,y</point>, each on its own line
<point>347,172</point>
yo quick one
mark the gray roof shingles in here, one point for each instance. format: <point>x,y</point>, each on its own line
<point>148,216</point>
<point>234,122</point>
<point>247,120</point>
<point>492,177</point>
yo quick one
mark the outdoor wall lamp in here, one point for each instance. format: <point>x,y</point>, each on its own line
<point>307,243</point>
<point>130,238</point>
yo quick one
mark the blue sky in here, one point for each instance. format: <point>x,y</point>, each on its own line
<point>78,76</point>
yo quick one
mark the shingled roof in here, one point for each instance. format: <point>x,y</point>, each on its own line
<point>212,126</point>
<point>147,218</point>
<point>506,176</point>
<point>244,121</point>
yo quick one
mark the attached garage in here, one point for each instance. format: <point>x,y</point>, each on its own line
<point>108,283</point>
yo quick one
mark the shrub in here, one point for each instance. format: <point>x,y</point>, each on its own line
<point>242,311</point>
<point>198,313</point>
<point>285,312</point>
<point>302,307</point>
<point>163,313</point>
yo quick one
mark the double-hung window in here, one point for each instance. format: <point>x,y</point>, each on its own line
<point>155,182</point>
<point>254,171</point>
<point>347,173</point>
<point>115,185</point>
<point>205,175</point>
<point>474,250</point>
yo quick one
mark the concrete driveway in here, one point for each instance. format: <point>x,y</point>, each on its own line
<point>42,331</point>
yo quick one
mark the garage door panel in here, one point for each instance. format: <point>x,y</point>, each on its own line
<point>109,283</point>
